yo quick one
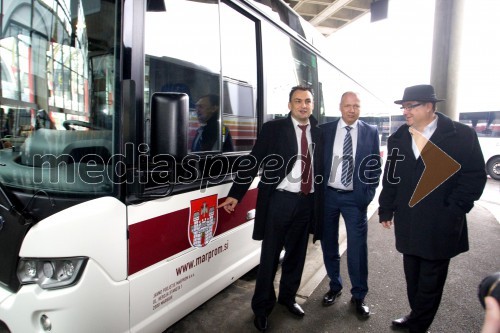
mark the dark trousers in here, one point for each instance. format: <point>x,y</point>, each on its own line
<point>287,227</point>
<point>425,281</point>
<point>356,223</point>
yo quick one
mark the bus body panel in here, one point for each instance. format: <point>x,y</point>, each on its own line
<point>164,293</point>
<point>164,230</point>
<point>95,229</point>
<point>95,304</point>
<point>490,147</point>
<point>169,277</point>
<point>151,209</point>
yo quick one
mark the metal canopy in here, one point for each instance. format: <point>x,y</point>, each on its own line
<point>330,15</point>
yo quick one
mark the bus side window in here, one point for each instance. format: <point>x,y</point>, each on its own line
<point>485,123</point>
<point>194,68</point>
<point>288,65</point>
<point>239,86</point>
<point>207,133</point>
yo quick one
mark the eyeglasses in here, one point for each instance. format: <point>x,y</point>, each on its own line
<point>410,107</point>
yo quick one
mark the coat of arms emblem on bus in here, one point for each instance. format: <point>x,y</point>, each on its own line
<point>202,220</point>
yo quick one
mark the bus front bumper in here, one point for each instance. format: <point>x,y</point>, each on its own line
<point>95,304</point>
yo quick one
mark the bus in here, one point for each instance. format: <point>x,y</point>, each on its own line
<point>108,218</point>
<point>487,127</point>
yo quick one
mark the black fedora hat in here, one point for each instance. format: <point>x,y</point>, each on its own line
<point>419,93</point>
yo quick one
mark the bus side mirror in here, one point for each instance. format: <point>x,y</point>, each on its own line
<point>169,124</point>
<point>168,144</point>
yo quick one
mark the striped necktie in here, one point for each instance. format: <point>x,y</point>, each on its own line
<point>347,159</point>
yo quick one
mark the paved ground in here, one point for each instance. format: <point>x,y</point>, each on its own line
<point>460,310</point>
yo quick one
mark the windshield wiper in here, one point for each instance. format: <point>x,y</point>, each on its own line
<point>23,216</point>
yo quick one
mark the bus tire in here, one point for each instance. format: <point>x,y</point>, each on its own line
<point>493,168</point>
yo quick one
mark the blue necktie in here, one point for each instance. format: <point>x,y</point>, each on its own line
<point>347,159</point>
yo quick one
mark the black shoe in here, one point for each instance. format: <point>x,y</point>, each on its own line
<point>260,323</point>
<point>331,296</point>
<point>361,308</point>
<point>400,322</point>
<point>293,308</point>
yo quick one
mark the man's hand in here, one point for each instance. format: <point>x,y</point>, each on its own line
<point>229,204</point>
<point>386,224</point>
<point>492,316</point>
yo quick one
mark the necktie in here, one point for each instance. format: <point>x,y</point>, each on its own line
<point>347,159</point>
<point>306,182</point>
<point>198,139</point>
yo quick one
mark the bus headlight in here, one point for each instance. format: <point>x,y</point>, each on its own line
<point>51,273</point>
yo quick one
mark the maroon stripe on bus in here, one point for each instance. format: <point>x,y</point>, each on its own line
<point>156,239</point>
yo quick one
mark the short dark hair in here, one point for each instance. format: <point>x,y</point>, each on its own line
<point>303,88</point>
<point>212,98</point>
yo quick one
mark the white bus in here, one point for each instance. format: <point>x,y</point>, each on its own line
<point>108,219</point>
<point>487,126</point>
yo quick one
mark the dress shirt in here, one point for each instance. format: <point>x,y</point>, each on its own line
<point>427,133</point>
<point>291,182</point>
<point>338,152</point>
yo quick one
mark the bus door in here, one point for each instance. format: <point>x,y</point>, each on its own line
<point>199,105</point>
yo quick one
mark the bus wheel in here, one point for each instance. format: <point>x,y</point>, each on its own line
<point>493,168</point>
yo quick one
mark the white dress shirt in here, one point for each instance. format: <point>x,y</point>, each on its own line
<point>427,133</point>
<point>291,182</point>
<point>338,152</point>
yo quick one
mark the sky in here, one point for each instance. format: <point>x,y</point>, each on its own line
<point>389,55</point>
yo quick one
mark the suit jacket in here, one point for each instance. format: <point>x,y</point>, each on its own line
<point>436,227</point>
<point>277,142</point>
<point>210,136</point>
<point>367,165</point>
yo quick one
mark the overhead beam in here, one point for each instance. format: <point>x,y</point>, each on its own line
<point>328,11</point>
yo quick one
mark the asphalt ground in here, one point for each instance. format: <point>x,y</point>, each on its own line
<point>460,310</point>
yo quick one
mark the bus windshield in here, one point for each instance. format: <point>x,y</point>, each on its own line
<point>57,95</point>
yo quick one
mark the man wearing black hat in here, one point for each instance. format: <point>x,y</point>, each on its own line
<point>433,174</point>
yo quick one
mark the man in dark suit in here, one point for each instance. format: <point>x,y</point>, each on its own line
<point>207,135</point>
<point>287,202</point>
<point>352,170</point>
<point>433,174</point>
